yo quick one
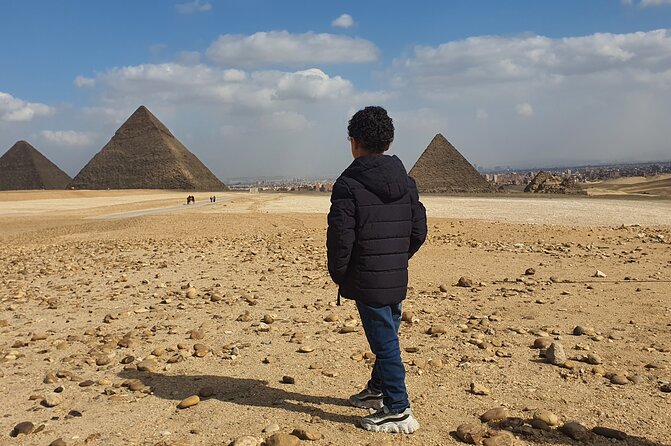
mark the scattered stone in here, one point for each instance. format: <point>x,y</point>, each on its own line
<point>471,433</point>
<point>206,392</point>
<point>609,433</point>
<point>619,380</point>
<point>530,272</point>
<point>247,440</point>
<point>465,282</point>
<point>196,335</point>
<point>58,442</point>
<point>148,365</point>
<point>200,350</point>
<point>332,318</point>
<point>188,402</point>
<point>52,400</point>
<point>495,414</point>
<point>87,383</point>
<point>547,417</point>
<point>599,274</point>
<point>305,349</point>
<point>500,439</point>
<point>407,316</point>
<point>594,359</point>
<point>555,354</point>
<point>479,389</point>
<point>306,434</point>
<point>191,293</point>
<point>271,428</point>
<point>437,329</point>
<point>542,342</point>
<point>666,388</point>
<point>23,428</point>
<point>579,330</point>
<point>280,439</point>
<point>541,425</point>
<point>575,430</point>
<point>288,380</point>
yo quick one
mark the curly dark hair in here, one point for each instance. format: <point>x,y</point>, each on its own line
<point>372,128</point>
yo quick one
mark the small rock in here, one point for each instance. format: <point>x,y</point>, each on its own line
<point>288,380</point>
<point>599,274</point>
<point>547,417</point>
<point>305,349</point>
<point>280,439</point>
<point>495,414</point>
<point>206,392</point>
<point>594,359</point>
<point>541,425</point>
<point>306,434</point>
<point>148,365</point>
<point>196,335</point>
<point>247,440</point>
<point>479,389</point>
<point>529,272</point>
<point>575,430</point>
<point>609,433</point>
<point>542,342</point>
<point>271,428</point>
<point>500,439</point>
<point>471,433</point>
<point>666,388</point>
<point>58,442</point>
<point>188,402</point>
<point>52,401</point>
<point>191,293</point>
<point>332,318</point>
<point>619,380</point>
<point>555,354</point>
<point>23,428</point>
<point>437,329</point>
<point>464,282</point>
<point>406,316</point>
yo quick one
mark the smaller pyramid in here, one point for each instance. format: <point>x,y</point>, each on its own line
<point>549,183</point>
<point>442,169</point>
<point>23,167</point>
<point>143,154</point>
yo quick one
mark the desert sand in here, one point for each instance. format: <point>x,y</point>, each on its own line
<point>117,306</point>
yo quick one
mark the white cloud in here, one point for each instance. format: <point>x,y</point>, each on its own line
<point>67,137</point>
<point>524,109</point>
<point>284,49</point>
<point>645,3</point>
<point>84,82</point>
<point>175,84</point>
<point>194,6</point>
<point>538,60</point>
<point>17,110</point>
<point>312,84</point>
<point>344,21</point>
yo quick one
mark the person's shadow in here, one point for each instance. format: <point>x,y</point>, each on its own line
<point>242,391</point>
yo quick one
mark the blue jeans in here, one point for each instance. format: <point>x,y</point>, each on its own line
<point>388,375</point>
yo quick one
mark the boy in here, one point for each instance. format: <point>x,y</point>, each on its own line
<point>376,223</point>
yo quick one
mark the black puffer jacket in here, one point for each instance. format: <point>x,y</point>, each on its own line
<point>376,223</point>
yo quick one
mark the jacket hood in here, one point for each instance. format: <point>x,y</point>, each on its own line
<point>383,175</point>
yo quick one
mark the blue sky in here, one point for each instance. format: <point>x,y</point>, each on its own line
<point>266,87</point>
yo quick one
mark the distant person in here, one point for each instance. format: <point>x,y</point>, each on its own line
<point>214,198</point>
<point>375,225</point>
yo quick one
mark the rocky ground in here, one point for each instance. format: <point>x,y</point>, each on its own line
<point>206,326</point>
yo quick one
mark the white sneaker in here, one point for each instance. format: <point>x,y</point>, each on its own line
<point>384,421</point>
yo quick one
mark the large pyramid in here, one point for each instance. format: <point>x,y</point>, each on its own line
<point>24,168</point>
<point>442,169</point>
<point>143,154</point>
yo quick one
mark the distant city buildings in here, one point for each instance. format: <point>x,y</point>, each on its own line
<point>583,174</point>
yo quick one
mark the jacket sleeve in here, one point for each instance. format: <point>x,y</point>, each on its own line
<point>340,235</point>
<point>419,231</point>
